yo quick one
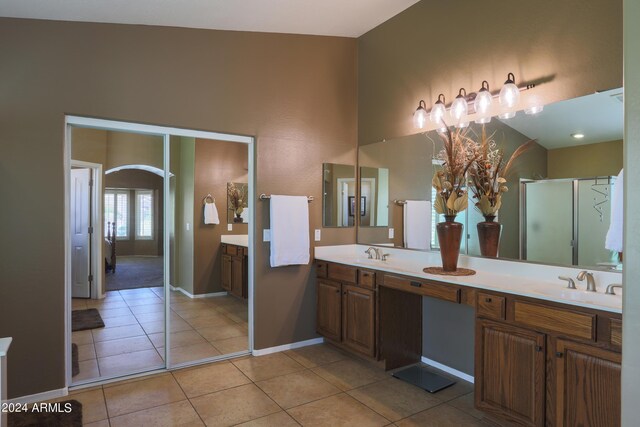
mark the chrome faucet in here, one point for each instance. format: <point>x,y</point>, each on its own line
<point>375,251</point>
<point>611,287</point>
<point>591,283</point>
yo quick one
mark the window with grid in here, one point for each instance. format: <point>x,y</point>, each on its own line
<point>116,210</point>
<point>144,214</point>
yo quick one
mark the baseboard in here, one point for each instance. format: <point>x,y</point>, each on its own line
<point>39,397</point>
<point>190,295</point>
<point>277,349</point>
<point>447,369</point>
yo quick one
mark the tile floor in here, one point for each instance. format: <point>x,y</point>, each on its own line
<point>133,337</point>
<point>311,386</point>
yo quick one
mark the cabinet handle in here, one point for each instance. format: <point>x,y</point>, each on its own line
<point>365,274</point>
<point>487,300</point>
<point>337,291</point>
<point>416,284</point>
<point>344,293</point>
<point>559,354</point>
<point>538,348</point>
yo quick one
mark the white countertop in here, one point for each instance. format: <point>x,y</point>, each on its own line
<point>235,239</point>
<point>4,346</point>
<point>518,278</point>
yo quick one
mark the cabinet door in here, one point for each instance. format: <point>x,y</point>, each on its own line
<point>226,273</point>
<point>329,309</point>
<point>587,385</point>
<point>237,276</point>
<point>358,323</point>
<point>510,372</point>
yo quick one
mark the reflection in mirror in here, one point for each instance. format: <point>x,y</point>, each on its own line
<point>237,202</point>
<point>339,191</point>
<point>373,207</point>
<point>588,167</point>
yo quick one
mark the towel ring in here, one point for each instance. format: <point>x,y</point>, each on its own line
<point>208,199</point>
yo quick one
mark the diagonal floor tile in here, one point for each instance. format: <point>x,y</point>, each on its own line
<point>341,409</point>
<point>279,419</point>
<point>269,366</point>
<point>209,378</point>
<point>296,389</point>
<point>316,355</point>
<point>442,415</point>
<point>144,394</point>
<point>172,414</point>
<point>349,374</point>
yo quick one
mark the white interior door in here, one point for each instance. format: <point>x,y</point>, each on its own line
<point>80,237</point>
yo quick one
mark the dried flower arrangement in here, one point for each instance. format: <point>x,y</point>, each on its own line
<point>236,196</point>
<point>458,155</point>
<point>487,175</point>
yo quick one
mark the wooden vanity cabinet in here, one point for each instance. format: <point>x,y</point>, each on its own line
<point>235,265</point>
<point>346,307</point>
<point>546,364</point>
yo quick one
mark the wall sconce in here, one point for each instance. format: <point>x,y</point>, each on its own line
<point>420,116</point>
<point>481,102</point>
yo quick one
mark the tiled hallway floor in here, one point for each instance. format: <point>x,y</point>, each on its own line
<point>133,337</point>
<point>311,386</point>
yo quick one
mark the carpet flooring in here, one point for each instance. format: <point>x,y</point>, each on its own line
<point>89,318</point>
<point>55,416</point>
<point>136,272</point>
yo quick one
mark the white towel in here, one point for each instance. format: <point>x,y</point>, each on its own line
<point>417,224</point>
<point>211,214</point>
<point>289,230</point>
<point>614,235</point>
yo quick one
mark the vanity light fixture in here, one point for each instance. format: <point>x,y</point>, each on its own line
<point>577,135</point>
<point>482,104</point>
<point>438,111</point>
<point>534,109</point>
<point>420,116</point>
<point>459,109</point>
<point>509,97</point>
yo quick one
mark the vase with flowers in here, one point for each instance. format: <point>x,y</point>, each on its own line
<point>457,156</point>
<point>487,182</point>
<point>236,195</point>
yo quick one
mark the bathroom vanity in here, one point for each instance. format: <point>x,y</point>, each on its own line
<point>235,264</point>
<point>544,354</point>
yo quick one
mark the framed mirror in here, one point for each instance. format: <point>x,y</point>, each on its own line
<point>237,203</point>
<point>338,195</point>
<point>373,206</point>
<point>564,181</point>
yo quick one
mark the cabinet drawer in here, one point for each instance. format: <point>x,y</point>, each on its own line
<point>490,306</point>
<point>230,250</point>
<point>342,273</point>
<point>435,290</point>
<point>367,278</point>
<point>616,332</point>
<point>321,269</point>
<point>565,322</point>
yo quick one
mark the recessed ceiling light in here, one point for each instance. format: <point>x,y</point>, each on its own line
<point>577,135</point>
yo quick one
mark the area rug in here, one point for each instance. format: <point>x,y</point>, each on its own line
<point>137,272</point>
<point>86,319</point>
<point>59,414</point>
<point>75,366</point>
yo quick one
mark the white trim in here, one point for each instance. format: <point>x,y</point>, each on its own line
<point>119,126</point>
<point>448,369</point>
<point>39,397</point>
<point>146,168</point>
<point>190,295</point>
<point>251,180</point>
<point>277,349</point>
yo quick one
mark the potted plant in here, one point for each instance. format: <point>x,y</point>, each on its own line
<point>236,196</point>
<point>487,181</point>
<point>457,156</point>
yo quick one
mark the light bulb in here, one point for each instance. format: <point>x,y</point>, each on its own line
<point>459,107</point>
<point>482,104</point>
<point>438,111</point>
<point>509,94</point>
<point>420,116</point>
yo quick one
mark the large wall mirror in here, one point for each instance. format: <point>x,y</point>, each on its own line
<point>558,207</point>
<point>339,193</point>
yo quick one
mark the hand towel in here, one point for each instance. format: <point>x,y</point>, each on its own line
<point>211,214</point>
<point>417,224</point>
<point>614,235</point>
<point>289,230</point>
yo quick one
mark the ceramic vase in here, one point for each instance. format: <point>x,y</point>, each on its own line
<point>489,236</point>
<point>449,236</point>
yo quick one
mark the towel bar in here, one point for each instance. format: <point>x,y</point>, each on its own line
<point>400,202</point>
<point>266,197</point>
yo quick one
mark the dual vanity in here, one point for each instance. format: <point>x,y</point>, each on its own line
<point>544,354</point>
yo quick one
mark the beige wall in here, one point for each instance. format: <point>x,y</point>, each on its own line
<point>296,94</point>
<point>89,145</point>
<point>125,148</point>
<point>584,161</point>
<point>184,150</point>
<point>439,47</point>
<point>631,294</point>
<point>216,163</point>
